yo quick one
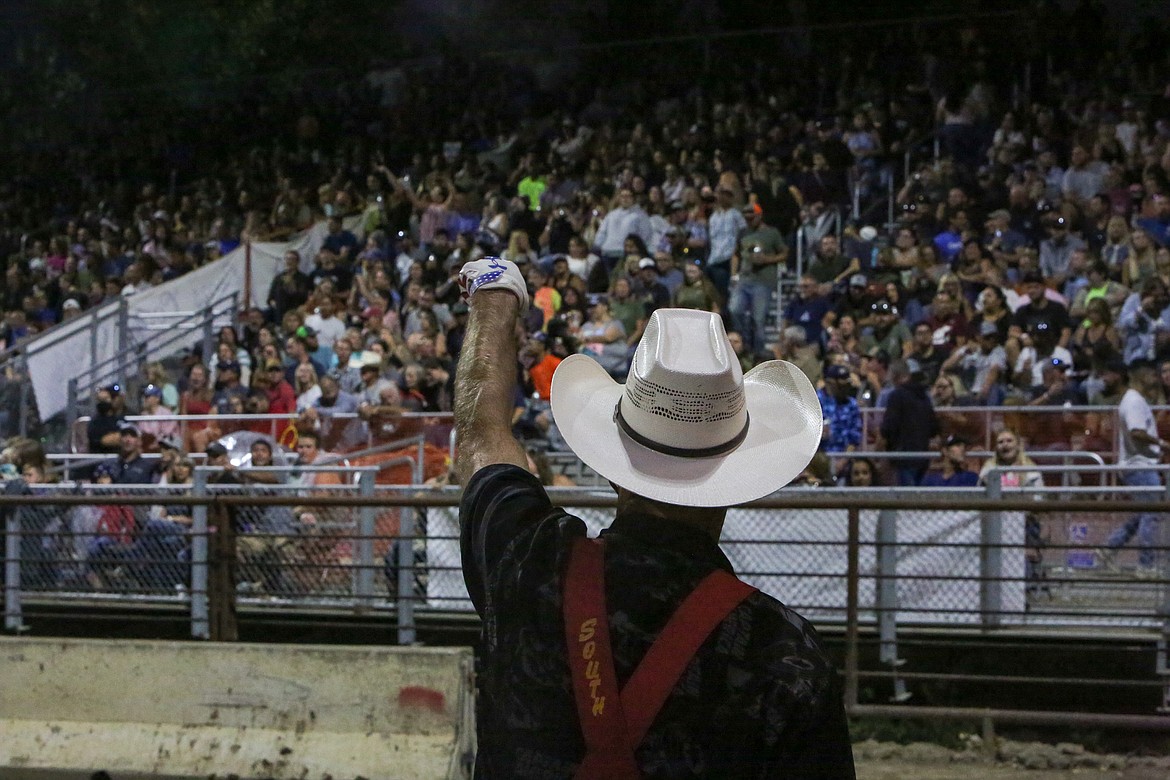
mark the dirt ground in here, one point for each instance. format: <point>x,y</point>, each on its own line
<point>899,770</point>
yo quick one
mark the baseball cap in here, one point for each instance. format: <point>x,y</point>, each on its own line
<point>70,303</point>
<point>305,332</point>
<point>114,389</point>
<point>168,442</point>
<point>1057,363</point>
<point>954,439</point>
<point>883,307</point>
<point>153,390</point>
<point>647,262</point>
<point>677,205</point>
<point>858,280</point>
<point>215,450</point>
<point>836,371</point>
<point>598,298</point>
<point>129,429</point>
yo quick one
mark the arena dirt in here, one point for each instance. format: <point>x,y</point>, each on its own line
<point>1010,761</point>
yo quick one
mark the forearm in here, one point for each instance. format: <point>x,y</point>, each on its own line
<point>484,385</point>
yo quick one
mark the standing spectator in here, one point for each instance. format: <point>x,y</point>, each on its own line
<point>725,226</point>
<point>281,397</point>
<point>888,332</point>
<point>325,324</point>
<point>1139,448</point>
<point>625,219</point>
<point>842,415</point>
<point>909,422</point>
<point>290,288</point>
<point>754,274</point>
<point>953,471</point>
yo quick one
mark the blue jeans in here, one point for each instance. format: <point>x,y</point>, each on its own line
<point>1145,525</point>
<point>749,310</point>
<point>720,275</point>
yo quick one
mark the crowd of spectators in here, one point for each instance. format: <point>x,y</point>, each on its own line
<point>1034,246</point>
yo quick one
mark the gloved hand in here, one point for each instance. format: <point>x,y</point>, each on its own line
<point>492,273</point>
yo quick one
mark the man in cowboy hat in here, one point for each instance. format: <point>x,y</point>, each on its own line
<point>590,666</point>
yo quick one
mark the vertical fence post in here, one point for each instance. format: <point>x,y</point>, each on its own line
<point>24,406</point>
<point>364,587</point>
<point>991,555</point>
<point>853,575</point>
<point>12,610</point>
<point>123,326</point>
<point>405,560</point>
<point>70,409</point>
<point>221,585</point>
<point>200,619</point>
<point>1162,668</point>
<point>887,596</point>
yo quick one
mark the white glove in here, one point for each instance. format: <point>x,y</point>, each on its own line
<point>492,273</point>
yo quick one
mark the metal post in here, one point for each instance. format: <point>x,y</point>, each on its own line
<point>208,334</point>
<point>123,326</point>
<point>857,200</point>
<point>1164,609</point>
<point>364,586</point>
<point>70,408</point>
<point>853,574</point>
<point>887,597</point>
<point>25,406</point>
<point>991,555</point>
<point>12,612</point>
<point>200,616</point>
<point>405,561</point>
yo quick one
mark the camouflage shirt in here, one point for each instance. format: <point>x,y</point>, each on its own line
<point>760,699</point>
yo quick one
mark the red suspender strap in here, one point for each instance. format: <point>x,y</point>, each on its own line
<point>664,663</point>
<point>608,754</point>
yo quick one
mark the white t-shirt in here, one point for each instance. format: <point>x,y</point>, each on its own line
<point>1134,413</point>
<point>328,330</point>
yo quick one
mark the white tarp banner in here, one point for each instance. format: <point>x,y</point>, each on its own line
<point>800,558</point>
<point>72,351</point>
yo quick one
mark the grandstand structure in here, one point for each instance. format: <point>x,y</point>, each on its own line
<point>343,214</point>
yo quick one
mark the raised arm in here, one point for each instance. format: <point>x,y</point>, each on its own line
<point>485,380</point>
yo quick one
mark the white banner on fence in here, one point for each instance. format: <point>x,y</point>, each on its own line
<point>801,558</point>
<point>71,352</point>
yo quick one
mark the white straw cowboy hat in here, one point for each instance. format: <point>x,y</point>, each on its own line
<point>689,427</point>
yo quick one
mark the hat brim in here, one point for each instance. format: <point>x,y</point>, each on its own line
<point>784,430</point>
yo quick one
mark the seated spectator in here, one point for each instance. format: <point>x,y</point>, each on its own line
<point>859,473</point>
<point>154,431</point>
<point>113,538</point>
<point>1094,336</point>
<point>603,337</point>
<point>807,310</point>
<point>102,430</point>
<point>982,366</point>
<point>696,291</point>
<point>197,400</point>
<point>888,332</point>
<point>306,386</point>
<point>952,471</point>
<point>842,416</point>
